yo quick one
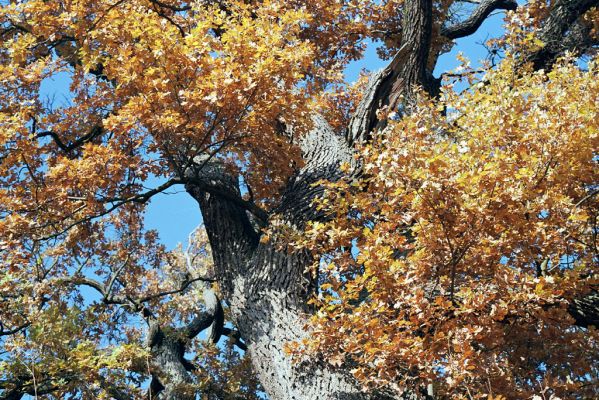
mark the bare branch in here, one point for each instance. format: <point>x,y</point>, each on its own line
<point>170,7</point>
<point>117,202</point>
<point>142,198</point>
<point>96,131</point>
<point>587,197</point>
<point>475,20</point>
<point>12,331</point>
<point>213,306</point>
<point>184,285</point>
<point>111,298</point>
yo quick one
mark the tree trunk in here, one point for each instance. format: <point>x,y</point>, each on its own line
<point>267,288</point>
<point>269,315</point>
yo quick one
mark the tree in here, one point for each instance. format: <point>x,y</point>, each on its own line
<point>395,239</point>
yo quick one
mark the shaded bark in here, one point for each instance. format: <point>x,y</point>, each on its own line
<point>561,33</point>
<point>267,287</point>
<point>585,310</point>
<point>169,369</point>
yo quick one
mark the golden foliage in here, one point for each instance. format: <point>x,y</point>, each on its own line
<point>454,258</point>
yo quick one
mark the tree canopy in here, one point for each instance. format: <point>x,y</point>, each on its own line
<point>406,236</point>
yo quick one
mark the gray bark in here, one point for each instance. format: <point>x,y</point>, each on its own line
<point>475,20</point>
<point>266,287</point>
<point>393,88</point>
<point>169,368</point>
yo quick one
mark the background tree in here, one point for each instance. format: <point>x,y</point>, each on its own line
<point>458,258</point>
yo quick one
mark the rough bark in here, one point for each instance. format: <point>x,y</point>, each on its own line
<point>475,20</point>
<point>560,32</point>
<point>392,88</point>
<point>170,377</point>
<point>169,368</point>
<point>267,287</point>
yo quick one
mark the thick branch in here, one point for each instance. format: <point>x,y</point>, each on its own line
<point>213,306</point>
<point>233,235</point>
<point>202,321</point>
<point>168,366</point>
<point>475,20</point>
<point>557,32</point>
<point>235,336</point>
<point>323,151</point>
<point>230,195</point>
<point>394,87</point>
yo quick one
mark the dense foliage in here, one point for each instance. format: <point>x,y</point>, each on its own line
<point>454,248</point>
<point>457,254</point>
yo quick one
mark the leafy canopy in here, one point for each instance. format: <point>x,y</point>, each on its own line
<point>452,258</point>
<point>455,258</point>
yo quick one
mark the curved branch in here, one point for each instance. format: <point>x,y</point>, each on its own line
<point>201,322</point>
<point>19,386</point>
<point>111,298</point>
<point>96,131</point>
<point>475,20</point>
<point>232,233</point>
<point>211,187</point>
<point>184,285</point>
<point>171,7</point>
<point>17,329</point>
<point>214,307</point>
<point>394,87</point>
